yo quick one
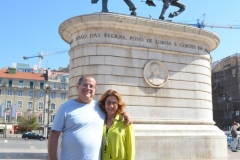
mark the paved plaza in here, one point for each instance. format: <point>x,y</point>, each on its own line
<point>17,148</point>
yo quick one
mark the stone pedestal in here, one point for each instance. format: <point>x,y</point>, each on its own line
<point>162,69</point>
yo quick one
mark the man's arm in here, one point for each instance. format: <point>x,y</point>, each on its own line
<point>53,145</point>
<point>127,118</point>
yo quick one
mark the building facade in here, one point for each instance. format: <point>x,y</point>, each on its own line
<point>226,91</point>
<point>33,94</point>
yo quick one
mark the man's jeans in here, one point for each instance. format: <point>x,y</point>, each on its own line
<point>234,143</point>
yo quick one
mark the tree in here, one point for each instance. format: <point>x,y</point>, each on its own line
<point>28,123</point>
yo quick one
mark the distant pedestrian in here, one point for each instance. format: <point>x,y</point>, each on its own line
<point>234,134</point>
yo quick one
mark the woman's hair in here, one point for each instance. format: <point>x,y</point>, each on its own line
<point>105,95</point>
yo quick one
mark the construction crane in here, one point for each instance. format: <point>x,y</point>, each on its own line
<point>203,24</point>
<point>41,56</point>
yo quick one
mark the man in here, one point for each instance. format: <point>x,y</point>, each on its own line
<point>234,134</point>
<point>81,123</point>
<point>166,4</point>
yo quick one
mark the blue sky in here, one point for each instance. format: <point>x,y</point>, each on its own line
<point>29,26</point>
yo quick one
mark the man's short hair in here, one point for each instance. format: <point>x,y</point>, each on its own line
<point>84,76</point>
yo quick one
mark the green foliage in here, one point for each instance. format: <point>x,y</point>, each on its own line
<point>28,123</point>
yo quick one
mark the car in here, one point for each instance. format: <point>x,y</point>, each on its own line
<point>32,135</point>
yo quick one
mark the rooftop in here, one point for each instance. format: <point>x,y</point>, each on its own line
<point>21,75</point>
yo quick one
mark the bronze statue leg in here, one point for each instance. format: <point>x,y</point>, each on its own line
<point>164,8</point>
<point>180,6</point>
<point>131,6</point>
<point>104,6</point>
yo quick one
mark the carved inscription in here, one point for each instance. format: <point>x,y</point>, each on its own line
<point>139,39</point>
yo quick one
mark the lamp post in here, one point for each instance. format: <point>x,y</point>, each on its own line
<point>227,98</point>
<point>5,129</point>
<point>48,90</point>
<point>49,102</point>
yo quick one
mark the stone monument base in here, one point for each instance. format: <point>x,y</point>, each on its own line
<point>162,70</point>
<point>160,142</point>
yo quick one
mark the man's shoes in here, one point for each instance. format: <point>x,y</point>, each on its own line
<point>150,3</point>
<point>234,151</point>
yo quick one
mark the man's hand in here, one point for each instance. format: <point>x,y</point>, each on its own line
<point>127,118</point>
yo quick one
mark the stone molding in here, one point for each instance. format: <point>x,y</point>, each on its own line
<point>136,24</point>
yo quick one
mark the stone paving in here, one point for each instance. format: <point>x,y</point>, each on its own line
<point>36,153</point>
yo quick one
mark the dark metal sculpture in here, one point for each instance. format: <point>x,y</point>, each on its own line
<point>131,6</point>
<point>166,4</point>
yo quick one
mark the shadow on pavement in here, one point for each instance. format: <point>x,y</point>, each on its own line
<point>24,156</point>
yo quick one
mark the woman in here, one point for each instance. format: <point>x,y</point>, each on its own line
<point>118,140</point>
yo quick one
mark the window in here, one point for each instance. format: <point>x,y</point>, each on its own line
<point>41,94</point>
<point>41,85</point>
<point>29,116</point>
<point>52,106</point>
<point>31,85</point>
<point>8,117</point>
<point>63,86</point>
<point>20,84</point>
<point>40,105</point>
<point>30,105</point>
<point>20,93</point>
<point>54,85</point>
<point>18,118</point>
<point>30,93</point>
<point>9,92</point>
<point>9,103</point>
<point>52,117</point>
<point>53,95</point>
<point>40,118</point>
<point>63,95</point>
<point>19,104</point>
<point>10,83</point>
<point>64,78</point>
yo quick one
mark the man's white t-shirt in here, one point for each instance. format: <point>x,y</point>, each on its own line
<point>81,126</point>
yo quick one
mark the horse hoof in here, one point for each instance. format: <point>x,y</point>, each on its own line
<point>150,3</point>
<point>133,13</point>
<point>94,1</point>
<point>172,14</point>
<point>162,17</point>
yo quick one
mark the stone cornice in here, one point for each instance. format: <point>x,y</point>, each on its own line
<point>136,24</point>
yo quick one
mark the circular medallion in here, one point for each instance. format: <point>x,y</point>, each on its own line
<point>155,73</point>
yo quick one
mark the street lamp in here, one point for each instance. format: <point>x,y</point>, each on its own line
<point>227,98</point>
<point>5,130</point>
<point>48,90</point>
<point>49,102</point>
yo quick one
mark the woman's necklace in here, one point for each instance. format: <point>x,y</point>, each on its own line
<point>109,123</point>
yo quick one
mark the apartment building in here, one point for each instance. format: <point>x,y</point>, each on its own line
<point>32,94</point>
<point>226,91</point>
